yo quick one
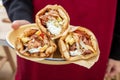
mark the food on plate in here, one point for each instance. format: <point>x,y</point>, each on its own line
<point>55,37</point>
<point>34,43</point>
<point>79,43</point>
<point>53,20</point>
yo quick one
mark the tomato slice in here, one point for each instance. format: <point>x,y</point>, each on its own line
<point>42,35</point>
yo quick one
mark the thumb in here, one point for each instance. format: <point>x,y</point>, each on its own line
<point>17,23</point>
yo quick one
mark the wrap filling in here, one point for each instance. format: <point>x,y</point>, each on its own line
<point>52,21</point>
<point>35,43</point>
<point>78,43</point>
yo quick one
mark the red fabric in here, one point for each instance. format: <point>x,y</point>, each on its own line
<point>98,16</point>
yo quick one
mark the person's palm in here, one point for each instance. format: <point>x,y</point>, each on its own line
<point>17,23</point>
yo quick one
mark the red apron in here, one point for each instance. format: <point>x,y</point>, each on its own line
<point>98,16</point>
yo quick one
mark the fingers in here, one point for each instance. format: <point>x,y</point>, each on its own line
<point>113,68</point>
<point>108,70</point>
<point>111,72</point>
<point>17,23</point>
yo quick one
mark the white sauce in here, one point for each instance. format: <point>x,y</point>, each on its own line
<point>33,50</point>
<point>75,53</point>
<point>52,28</point>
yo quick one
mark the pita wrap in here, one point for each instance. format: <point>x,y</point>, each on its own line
<point>13,36</point>
<point>38,42</point>
<point>53,20</point>
<point>34,43</point>
<point>79,44</point>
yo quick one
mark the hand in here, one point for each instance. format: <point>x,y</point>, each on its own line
<point>17,23</point>
<point>113,68</point>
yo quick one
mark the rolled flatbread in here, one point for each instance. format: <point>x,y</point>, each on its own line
<point>34,43</point>
<point>79,43</point>
<point>53,20</point>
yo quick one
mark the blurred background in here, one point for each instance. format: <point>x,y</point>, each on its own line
<point>6,54</point>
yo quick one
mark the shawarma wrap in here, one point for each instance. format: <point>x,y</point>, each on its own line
<point>53,20</point>
<point>34,43</point>
<point>79,43</point>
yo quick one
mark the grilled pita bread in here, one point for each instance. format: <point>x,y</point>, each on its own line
<point>79,43</point>
<point>53,20</point>
<point>34,43</point>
